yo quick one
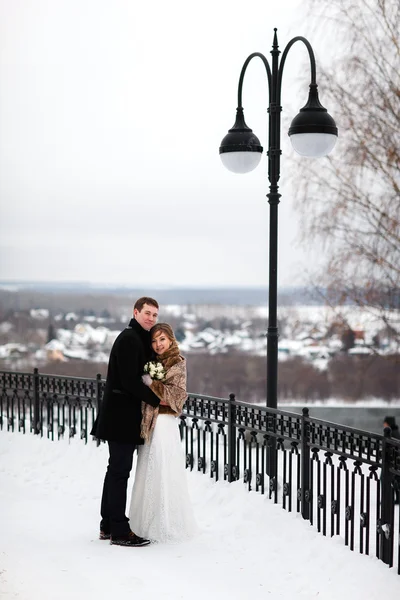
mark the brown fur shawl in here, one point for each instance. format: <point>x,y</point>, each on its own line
<point>172,390</point>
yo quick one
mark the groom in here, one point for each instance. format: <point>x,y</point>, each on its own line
<point>120,417</point>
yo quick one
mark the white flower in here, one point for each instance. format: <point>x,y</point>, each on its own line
<point>155,370</point>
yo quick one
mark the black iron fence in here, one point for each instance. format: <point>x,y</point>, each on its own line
<point>342,480</point>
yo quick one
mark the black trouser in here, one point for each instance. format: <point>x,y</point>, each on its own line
<point>113,501</point>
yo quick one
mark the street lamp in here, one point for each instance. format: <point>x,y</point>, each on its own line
<point>313,133</point>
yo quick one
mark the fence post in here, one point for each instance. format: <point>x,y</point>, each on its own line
<point>271,467</point>
<point>98,393</point>
<point>305,466</point>
<point>98,400</point>
<point>387,532</point>
<point>36,402</point>
<point>231,440</point>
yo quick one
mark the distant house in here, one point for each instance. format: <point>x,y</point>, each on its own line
<point>359,335</point>
<point>55,351</point>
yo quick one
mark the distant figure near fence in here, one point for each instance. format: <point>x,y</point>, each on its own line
<point>391,422</point>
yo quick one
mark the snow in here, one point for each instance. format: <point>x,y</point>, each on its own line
<point>71,316</point>
<point>247,547</point>
<point>173,310</point>
<point>360,350</point>
<point>367,402</point>
<point>12,348</point>
<point>39,313</point>
<point>77,353</point>
<point>55,345</point>
<point>100,357</point>
<point>6,327</point>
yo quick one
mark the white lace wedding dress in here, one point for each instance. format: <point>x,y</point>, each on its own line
<point>161,509</point>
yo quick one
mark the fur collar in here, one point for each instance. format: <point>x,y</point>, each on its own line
<point>170,357</point>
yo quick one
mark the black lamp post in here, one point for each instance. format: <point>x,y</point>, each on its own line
<point>312,132</point>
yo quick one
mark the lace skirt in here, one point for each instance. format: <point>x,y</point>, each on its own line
<point>160,508</point>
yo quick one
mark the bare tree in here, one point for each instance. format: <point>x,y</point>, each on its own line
<point>350,201</point>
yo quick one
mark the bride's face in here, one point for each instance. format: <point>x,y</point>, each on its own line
<point>160,342</point>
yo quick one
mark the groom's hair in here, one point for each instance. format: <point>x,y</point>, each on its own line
<point>145,300</point>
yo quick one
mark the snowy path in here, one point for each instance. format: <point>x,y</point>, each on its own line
<point>247,548</point>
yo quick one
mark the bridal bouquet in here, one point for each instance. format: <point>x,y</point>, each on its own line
<point>155,370</point>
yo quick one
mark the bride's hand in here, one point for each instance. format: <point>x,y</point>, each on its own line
<point>147,380</point>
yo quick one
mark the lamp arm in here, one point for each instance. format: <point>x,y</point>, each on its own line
<point>267,68</point>
<point>298,38</point>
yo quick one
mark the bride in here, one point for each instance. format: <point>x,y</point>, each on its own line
<point>160,507</point>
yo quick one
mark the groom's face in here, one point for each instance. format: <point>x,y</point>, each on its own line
<point>147,317</point>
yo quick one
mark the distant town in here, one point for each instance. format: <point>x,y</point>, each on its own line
<point>73,334</point>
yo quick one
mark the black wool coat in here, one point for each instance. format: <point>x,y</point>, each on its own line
<point>120,412</point>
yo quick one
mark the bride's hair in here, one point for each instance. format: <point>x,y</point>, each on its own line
<point>165,328</point>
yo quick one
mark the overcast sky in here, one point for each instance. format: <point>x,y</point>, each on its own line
<point>111,115</point>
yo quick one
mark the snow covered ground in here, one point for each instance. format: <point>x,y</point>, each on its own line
<point>247,547</point>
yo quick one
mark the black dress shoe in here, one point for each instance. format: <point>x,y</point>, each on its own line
<point>131,539</point>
